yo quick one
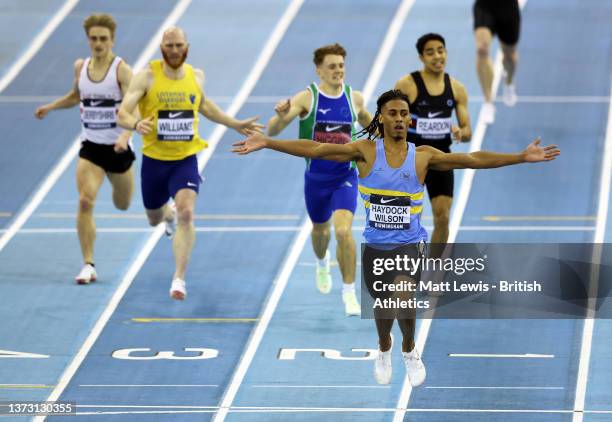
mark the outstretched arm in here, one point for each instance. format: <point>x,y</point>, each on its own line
<point>534,153</point>
<point>212,112</point>
<point>69,100</point>
<point>287,110</point>
<point>300,148</point>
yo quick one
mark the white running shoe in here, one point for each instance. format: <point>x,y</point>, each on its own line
<point>487,112</point>
<point>509,95</point>
<point>351,305</point>
<point>383,368</point>
<point>414,367</point>
<point>178,290</point>
<point>171,224</point>
<point>87,274</point>
<point>324,280</point>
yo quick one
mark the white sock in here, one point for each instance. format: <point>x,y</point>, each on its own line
<point>348,288</point>
<point>325,261</point>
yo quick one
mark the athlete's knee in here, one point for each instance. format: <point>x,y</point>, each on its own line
<point>122,203</point>
<point>86,203</point>
<point>321,230</point>
<point>482,49</point>
<point>343,234</point>
<point>154,219</point>
<point>184,214</point>
<point>441,216</point>
<point>510,56</point>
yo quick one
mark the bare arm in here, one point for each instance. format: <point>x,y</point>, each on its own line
<point>463,133</point>
<point>124,77</point>
<point>212,112</point>
<point>69,100</point>
<point>302,148</point>
<point>127,117</point>
<point>534,153</point>
<point>289,109</point>
<point>406,85</point>
<point>363,115</point>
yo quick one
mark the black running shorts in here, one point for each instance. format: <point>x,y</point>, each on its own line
<point>502,17</point>
<point>104,156</point>
<point>440,183</point>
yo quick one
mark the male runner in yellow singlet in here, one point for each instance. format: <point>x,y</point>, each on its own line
<point>170,94</point>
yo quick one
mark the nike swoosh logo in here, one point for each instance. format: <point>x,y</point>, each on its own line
<point>95,103</point>
<point>191,184</point>
<point>332,128</point>
<point>432,115</point>
<point>324,110</point>
<point>174,115</point>
<point>382,200</point>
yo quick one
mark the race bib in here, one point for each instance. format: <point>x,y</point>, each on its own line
<point>175,125</point>
<point>433,128</point>
<point>389,212</point>
<point>332,133</point>
<point>98,114</point>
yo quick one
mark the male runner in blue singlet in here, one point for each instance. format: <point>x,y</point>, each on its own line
<point>328,112</point>
<point>392,173</point>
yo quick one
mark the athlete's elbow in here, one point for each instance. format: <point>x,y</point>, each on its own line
<point>272,131</point>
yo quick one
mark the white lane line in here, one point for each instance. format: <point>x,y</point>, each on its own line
<point>527,228</point>
<point>69,372</point>
<point>272,229</point>
<point>454,226</point>
<point>37,43</point>
<point>319,386</point>
<point>493,388</point>
<point>142,216</point>
<point>500,355</point>
<point>299,241</point>
<point>203,158</point>
<point>600,232</point>
<point>280,409</point>
<point>150,385</point>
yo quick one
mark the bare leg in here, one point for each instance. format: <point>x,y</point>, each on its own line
<point>320,238</point>
<point>441,206</point>
<point>89,179</point>
<point>510,61</point>
<point>184,237</point>
<point>407,326</point>
<point>158,215</point>
<point>123,188</point>
<point>484,64</point>
<point>345,252</point>
<point>383,327</point>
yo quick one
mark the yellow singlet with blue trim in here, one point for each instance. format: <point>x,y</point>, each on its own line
<point>174,105</point>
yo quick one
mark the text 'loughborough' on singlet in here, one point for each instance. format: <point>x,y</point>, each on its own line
<point>174,105</point>
<point>431,115</point>
<point>100,103</point>
<point>330,120</point>
<point>393,199</point>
